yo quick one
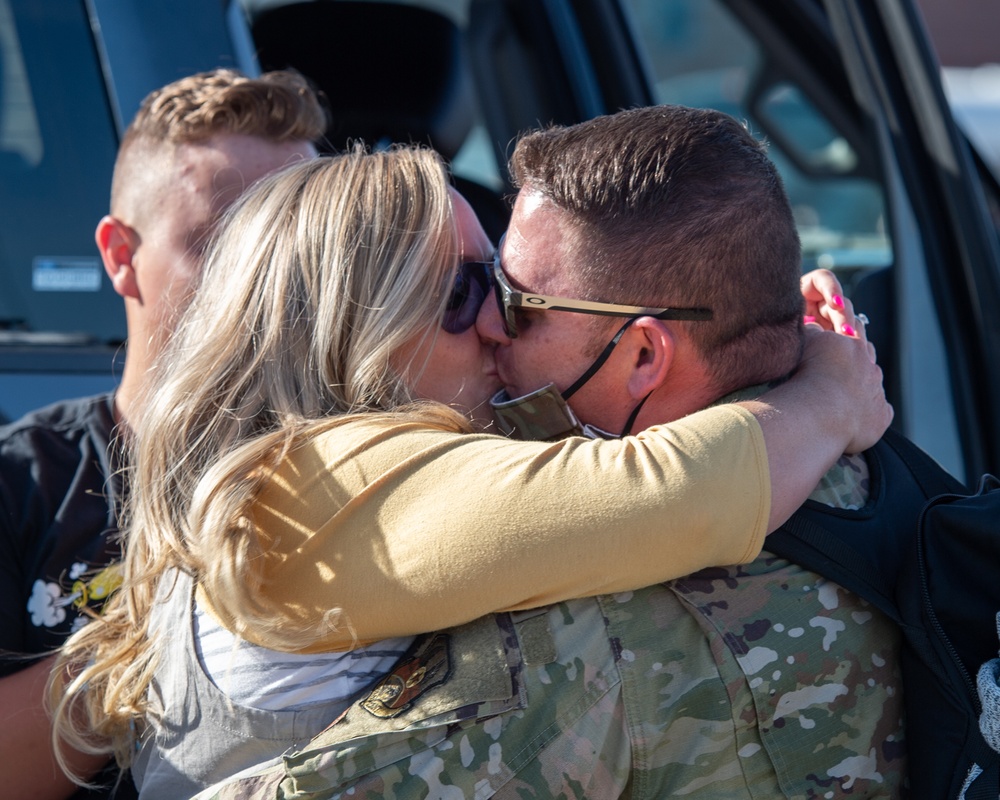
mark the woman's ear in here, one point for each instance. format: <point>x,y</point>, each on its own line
<point>653,348</point>
<point>117,243</point>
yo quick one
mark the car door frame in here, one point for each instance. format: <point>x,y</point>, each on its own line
<point>895,79</point>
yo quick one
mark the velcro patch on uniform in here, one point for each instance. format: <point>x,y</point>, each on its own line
<point>537,642</point>
<point>425,667</point>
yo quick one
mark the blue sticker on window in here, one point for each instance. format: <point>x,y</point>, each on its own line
<point>65,274</point>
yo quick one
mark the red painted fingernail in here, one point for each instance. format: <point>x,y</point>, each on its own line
<point>807,319</point>
<point>847,329</point>
<point>838,301</point>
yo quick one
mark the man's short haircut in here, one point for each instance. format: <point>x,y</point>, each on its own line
<point>676,206</point>
<point>278,107</point>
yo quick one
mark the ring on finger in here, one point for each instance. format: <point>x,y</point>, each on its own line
<point>862,318</point>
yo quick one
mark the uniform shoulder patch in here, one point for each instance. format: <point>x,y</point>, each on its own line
<point>423,667</point>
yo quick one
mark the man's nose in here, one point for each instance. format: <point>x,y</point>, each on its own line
<point>489,322</point>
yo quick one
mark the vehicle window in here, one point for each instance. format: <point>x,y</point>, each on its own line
<point>700,55</point>
<point>411,82</point>
<point>57,149</point>
<point>19,135</point>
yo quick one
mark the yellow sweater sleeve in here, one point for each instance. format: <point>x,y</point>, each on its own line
<point>394,530</point>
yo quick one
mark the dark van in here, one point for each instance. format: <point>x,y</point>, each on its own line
<point>886,191</point>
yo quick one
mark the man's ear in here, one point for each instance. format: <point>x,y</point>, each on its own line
<point>117,243</point>
<point>653,348</point>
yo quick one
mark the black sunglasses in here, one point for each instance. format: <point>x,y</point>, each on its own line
<point>510,300</point>
<point>475,279</point>
<point>473,282</point>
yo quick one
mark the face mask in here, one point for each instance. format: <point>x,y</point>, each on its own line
<point>545,416</point>
<point>541,416</point>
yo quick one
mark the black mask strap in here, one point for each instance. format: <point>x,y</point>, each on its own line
<point>599,362</point>
<point>632,417</point>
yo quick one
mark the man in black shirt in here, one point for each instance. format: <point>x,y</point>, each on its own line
<point>193,147</point>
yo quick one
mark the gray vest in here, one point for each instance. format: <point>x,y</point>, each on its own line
<point>196,735</point>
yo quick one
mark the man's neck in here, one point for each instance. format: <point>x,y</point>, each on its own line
<point>666,405</point>
<point>749,393</point>
<point>677,406</point>
<point>134,376</point>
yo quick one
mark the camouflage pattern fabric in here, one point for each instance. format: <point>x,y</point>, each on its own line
<point>758,681</point>
<point>476,735</point>
<point>540,416</point>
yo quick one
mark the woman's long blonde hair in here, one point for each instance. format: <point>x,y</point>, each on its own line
<point>319,278</point>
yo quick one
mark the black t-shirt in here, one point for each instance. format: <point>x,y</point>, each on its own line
<point>60,493</point>
<point>59,490</point>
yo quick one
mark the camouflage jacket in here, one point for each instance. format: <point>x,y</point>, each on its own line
<point>758,681</point>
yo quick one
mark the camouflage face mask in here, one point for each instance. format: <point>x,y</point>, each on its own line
<point>542,415</point>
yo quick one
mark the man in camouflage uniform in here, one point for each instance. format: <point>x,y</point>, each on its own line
<point>759,681</point>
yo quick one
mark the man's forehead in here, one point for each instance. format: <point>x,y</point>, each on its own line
<point>531,200</point>
<point>539,245</point>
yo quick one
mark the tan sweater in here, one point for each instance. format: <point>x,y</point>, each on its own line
<point>397,530</point>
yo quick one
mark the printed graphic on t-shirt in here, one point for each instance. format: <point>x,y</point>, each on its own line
<point>50,601</point>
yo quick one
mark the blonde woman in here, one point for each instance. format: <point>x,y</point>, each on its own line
<point>304,483</point>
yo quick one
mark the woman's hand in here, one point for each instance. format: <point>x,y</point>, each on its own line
<point>827,306</point>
